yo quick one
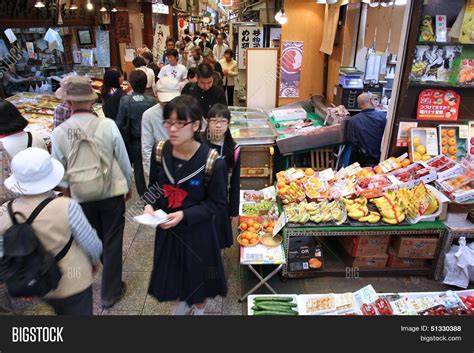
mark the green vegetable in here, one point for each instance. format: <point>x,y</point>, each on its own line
<point>264,205</point>
<point>273,312</point>
<point>250,209</point>
<point>283,304</point>
<point>273,299</point>
<point>265,307</point>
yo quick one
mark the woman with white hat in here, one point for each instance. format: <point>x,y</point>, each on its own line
<point>34,175</point>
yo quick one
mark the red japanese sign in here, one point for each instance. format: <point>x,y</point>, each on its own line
<point>437,104</point>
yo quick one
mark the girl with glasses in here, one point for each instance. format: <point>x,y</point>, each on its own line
<point>187,181</point>
<point>218,136</point>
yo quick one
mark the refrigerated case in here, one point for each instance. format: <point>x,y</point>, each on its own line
<point>251,129</point>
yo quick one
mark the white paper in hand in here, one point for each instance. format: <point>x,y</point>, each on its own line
<point>153,221</point>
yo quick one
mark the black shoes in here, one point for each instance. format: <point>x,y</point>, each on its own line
<point>122,293</point>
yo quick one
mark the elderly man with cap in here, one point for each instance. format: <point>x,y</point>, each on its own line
<point>60,226</point>
<point>106,211</point>
<point>364,132</point>
<point>153,130</point>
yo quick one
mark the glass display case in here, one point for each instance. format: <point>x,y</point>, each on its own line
<point>250,126</point>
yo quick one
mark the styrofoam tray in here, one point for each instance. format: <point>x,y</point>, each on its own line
<point>303,299</point>
<point>250,299</point>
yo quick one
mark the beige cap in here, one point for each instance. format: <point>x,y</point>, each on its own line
<point>76,89</point>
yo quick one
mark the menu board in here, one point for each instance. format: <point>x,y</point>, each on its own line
<point>437,104</point>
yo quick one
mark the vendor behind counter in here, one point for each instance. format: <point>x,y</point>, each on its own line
<point>12,82</point>
<point>364,132</point>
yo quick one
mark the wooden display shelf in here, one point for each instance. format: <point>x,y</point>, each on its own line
<point>339,268</point>
<point>443,44</point>
<point>437,85</point>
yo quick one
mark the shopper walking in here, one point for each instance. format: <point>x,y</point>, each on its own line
<point>150,64</point>
<point>187,264</point>
<point>153,129</point>
<point>111,92</point>
<point>218,137</point>
<point>129,120</point>
<point>140,64</point>
<point>173,69</point>
<point>204,89</point>
<point>219,48</point>
<point>230,70</point>
<point>208,58</point>
<point>195,59</point>
<point>104,156</point>
<point>169,45</point>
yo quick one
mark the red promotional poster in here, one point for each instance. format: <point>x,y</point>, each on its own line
<point>437,104</point>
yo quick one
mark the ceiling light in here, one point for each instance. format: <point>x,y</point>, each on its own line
<point>114,10</point>
<point>280,17</point>
<point>89,5</point>
<point>103,9</point>
<point>39,4</point>
<point>400,2</point>
<point>73,7</point>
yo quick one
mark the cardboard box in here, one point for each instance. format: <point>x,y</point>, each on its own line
<point>412,172</point>
<point>415,247</point>
<point>378,261</point>
<point>365,245</point>
<point>304,254</point>
<point>427,136</point>
<point>402,262</point>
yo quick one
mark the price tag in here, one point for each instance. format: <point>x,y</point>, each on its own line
<point>269,193</point>
<point>353,169</point>
<point>431,142</point>
<point>463,131</point>
<point>280,224</point>
<point>326,175</point>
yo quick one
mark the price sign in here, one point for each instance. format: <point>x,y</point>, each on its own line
<point>437,104</point>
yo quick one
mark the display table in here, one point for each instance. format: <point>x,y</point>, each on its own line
<point>262,255</point>
<point>436,228</point>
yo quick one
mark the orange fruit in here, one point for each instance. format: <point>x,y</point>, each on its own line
<point>248,236</point>
<point>444,141</point>
<point>269,229</point>
<point>244,226</point>
<point>405,162</point>
<point>281,184</point>
<point>451,132</point>
<point>253,241</point>
<point>309,172</point>
<point>256,225</point>
<point>244,241</point>
<point>444,132</point>
<point>254,236</point>
<point>454,158</point>
<point>251,229</point>
<point>444,150</point>
<point>451,141</point>
<point>452,150</point>
<point>378,170</point>
<point>250,222</point>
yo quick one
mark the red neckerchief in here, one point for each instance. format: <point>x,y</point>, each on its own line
<point>175,195</point>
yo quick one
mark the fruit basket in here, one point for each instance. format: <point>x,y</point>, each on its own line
<point>248,239</point>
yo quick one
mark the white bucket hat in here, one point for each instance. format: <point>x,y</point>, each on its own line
<point>34,172</point>
<point>167,88</point>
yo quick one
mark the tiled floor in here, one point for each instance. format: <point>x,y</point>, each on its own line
<point>137,265</point>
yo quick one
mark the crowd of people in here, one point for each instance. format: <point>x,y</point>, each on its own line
<point>170,137</point>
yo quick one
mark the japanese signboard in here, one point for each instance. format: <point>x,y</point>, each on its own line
<point>436,104</point>
<point>161,33</point>
<point>249,37</point>
<point>122,27</point>
<point>103,48</point>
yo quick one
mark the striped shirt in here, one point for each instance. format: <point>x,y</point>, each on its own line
<point>83,232</point>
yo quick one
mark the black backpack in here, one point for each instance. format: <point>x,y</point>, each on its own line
<point>26,267</point>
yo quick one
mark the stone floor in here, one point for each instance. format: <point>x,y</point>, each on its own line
<point>137,265</point>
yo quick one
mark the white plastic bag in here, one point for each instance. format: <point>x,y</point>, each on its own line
<point>459,261</point>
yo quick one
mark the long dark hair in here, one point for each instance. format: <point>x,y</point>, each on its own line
<point>186,107</point>
<point>221,111</point>
<point>11,120</point>
<point>111,80</point>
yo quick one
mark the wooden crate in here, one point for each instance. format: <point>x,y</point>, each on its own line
<point>256,169</point>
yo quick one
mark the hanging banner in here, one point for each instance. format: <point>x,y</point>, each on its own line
<point>291,60</point>
<point>103,48</point>
<point>159,40</point>
<point>122,27</point>
<point>249,37</point>
<point>31,50</point>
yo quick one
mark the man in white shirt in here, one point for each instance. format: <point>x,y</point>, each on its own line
<point>173,69</point>
<point>219,48</point>
<point>140,64</point>
<point>153,130</point>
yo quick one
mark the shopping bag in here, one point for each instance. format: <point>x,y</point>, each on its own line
<point>458,262</point>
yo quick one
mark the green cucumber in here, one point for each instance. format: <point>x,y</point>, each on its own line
<point>273,312</point>
<point>275,308</point>
<point>273,299</point>
<point>285,304</point>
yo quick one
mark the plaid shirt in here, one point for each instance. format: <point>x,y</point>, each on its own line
<point>61,114</point>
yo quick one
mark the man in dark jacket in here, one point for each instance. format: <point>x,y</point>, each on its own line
<point>129,121</point>
<point>204,90</point>
<point>365,131</point>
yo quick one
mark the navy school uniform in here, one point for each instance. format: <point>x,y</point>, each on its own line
<point>223,225</point>
<point>187,262</point>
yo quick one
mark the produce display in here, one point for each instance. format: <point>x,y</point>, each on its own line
<point>323,212</point>
<point>248,239</point>
<point>367,302</point>
<point>451,144</point>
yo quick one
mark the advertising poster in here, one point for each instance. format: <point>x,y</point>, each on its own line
<point>291,60</point>
<point>103,48</point>
<point>161,33</point>
<point>436,104</point>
